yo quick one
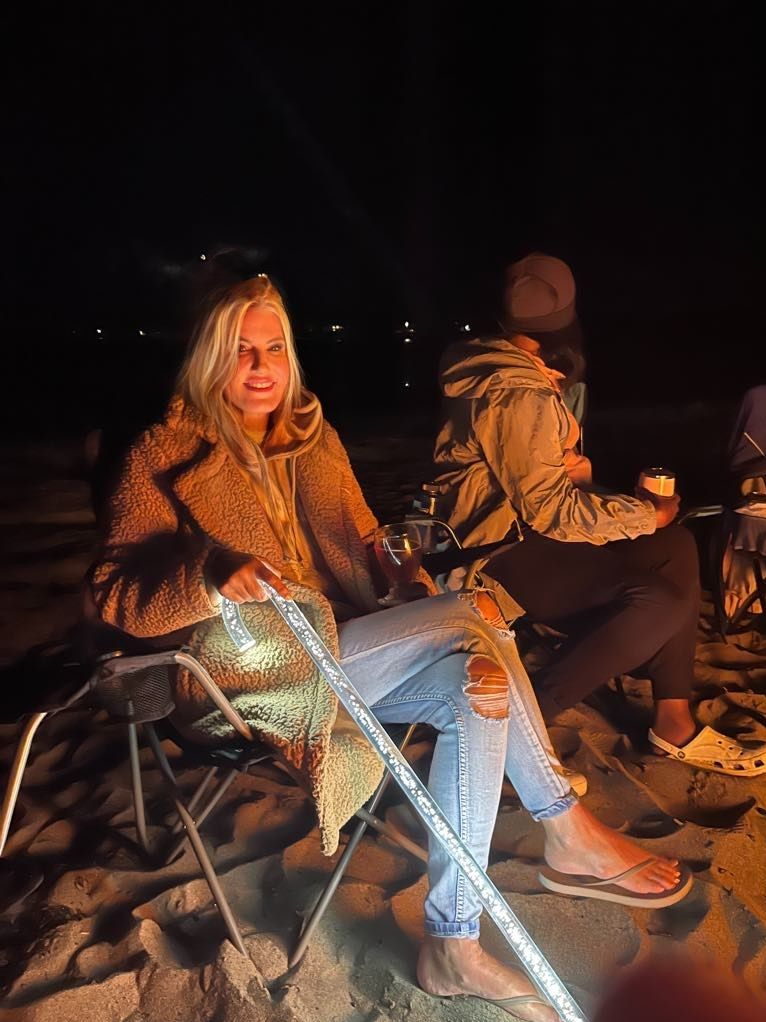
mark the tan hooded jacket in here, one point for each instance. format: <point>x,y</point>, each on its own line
<point>182,497</point>
<point>501,454</point>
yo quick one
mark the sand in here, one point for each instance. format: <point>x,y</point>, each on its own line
<point>89,929</point>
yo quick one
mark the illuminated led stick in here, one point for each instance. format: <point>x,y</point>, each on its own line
<point>533,960</point>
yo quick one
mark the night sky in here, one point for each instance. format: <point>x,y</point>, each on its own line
<point>384,162</point>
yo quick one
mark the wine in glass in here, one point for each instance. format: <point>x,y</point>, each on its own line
<point>399,553</point>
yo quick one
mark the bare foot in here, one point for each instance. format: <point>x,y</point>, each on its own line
<point>576,842</point>
<point>454,966</point>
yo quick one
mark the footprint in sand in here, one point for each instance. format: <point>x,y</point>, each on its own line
<point>95,746</point>
<point>54,840</point>
<point>72,795</point>
<point>725,818</point>
<point>45,763</point>
<point>681,920</point>
<point>653,825</point>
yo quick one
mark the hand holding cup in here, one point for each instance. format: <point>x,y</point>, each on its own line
<point>658,485</point>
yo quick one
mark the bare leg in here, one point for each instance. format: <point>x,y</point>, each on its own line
<point>673,721</point>
<point>576,842</point>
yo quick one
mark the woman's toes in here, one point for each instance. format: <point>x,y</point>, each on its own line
<point>665,878</point>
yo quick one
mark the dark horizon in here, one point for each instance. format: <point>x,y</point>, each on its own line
<point>386,170</point>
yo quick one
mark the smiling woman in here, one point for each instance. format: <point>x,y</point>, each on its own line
<point>263,371</point>
<point>244,385</point>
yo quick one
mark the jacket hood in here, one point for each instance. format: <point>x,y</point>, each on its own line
<point>285,439</point>
<point>288,439</point>
<point>469,368</point>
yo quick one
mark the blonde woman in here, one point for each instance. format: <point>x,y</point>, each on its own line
<point>244,481</point>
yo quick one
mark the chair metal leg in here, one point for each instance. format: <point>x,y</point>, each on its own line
<point>743,610</point>
<point>758,595</point>
<point>325,897</point>
<point>207,809</point>
<point>138,788</point>
<point>242,767</point>
<point>718,550</point>
<point>17,772</point>
<point>398,838</point>
<point>196,798</point>
<point>196,842</point>
<point>23,750</point>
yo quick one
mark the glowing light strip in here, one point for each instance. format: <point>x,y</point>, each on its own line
<point>533,960</point>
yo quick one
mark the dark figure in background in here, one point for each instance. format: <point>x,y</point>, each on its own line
<point>745,552</point>
<point>611,570</point>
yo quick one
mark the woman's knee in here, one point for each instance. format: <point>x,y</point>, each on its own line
<point>687,554</point>
<point>664,604</point>
<point>676,556</point>
<point>486,687</point>
<point>480,611</point>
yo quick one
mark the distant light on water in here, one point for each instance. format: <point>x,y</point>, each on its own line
<point>467,327</point>
<point>203,257</point>
<point>98,331</point>
<point>406,383</point>
<point>141,333</point>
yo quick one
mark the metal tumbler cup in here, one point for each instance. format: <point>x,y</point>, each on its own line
<point>660,481</point>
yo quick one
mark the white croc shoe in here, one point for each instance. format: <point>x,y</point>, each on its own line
<point>710,750</point>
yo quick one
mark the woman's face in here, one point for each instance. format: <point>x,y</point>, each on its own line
<point>263,370</point>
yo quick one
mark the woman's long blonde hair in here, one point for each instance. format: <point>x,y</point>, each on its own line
<point>212,361</point>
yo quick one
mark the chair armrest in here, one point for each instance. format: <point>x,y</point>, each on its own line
<point>214,693</point>
<point>704,511</point>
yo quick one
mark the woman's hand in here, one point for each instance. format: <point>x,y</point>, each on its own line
<point>578,468</point>
<point>665,508</point>
<point>244,583</point>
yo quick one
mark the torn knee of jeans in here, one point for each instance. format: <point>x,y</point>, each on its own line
<point>486,686</point>
<point>486,606</point>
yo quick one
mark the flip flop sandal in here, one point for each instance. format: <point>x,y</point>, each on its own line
<point>580,886</point>
<point>508,1004</point>
<point>710,750</point>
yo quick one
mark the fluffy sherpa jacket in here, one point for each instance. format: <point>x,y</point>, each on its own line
<point>181,498</point>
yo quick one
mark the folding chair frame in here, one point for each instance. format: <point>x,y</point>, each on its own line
<point>717,550</point>
<point>203,801</point>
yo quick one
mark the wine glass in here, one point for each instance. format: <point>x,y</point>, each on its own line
<point>399,553</point>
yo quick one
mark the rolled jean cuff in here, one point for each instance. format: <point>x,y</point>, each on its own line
<point>561,805</point>
<point>468,931</point>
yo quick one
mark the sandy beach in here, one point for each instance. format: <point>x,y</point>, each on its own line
<point>88,930</point>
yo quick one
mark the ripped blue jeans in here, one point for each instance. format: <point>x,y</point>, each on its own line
<point>440,661</point>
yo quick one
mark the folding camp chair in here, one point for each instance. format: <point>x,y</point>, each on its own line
<point>739,551</point>
<point>742,535</point>
<point>741,526</point>
<point>136,690</point>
